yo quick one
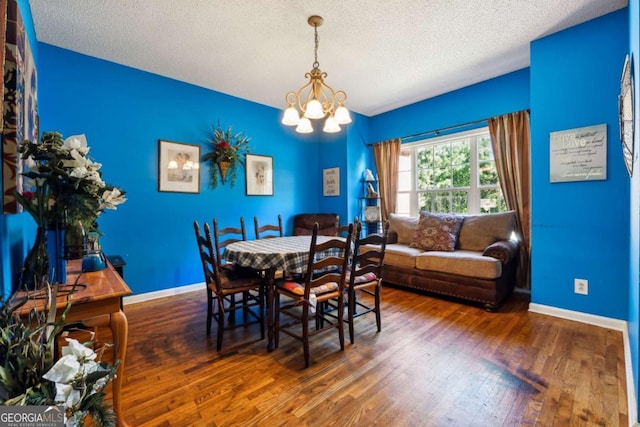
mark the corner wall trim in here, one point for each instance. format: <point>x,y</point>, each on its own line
<point>604,322</point>
<point>592,319</point>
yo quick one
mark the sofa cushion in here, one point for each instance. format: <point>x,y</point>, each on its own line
<point>437,232</point>
<point>399,255</point>
<point>460,262</point>
<point>479,231</point>
<point>403,226</point>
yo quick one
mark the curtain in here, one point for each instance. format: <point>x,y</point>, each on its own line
<point>510,139</point>
<point>386,155</point>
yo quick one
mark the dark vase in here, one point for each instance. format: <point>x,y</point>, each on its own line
<point>55,250</point>
<point>75,240</point>
<point>36,265</point>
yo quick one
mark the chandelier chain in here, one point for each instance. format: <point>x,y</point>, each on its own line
<point>316,64</point>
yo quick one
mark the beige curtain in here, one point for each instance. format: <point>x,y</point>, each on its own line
<point>510,138</point>
<point>386,155</point>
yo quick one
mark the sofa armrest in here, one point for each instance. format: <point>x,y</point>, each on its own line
<point>393,237</point>
<point>503,250</point>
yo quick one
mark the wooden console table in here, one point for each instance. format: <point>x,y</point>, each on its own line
<point>101,297</point>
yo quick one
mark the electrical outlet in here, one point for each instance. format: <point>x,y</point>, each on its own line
<point>581,286</point>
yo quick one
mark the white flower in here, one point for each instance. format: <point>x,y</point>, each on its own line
<point>80,351</point>
<point>65,369</point>
<point>67,394</point>
<point>112,198</point>
<point>78,172</point>
<point>76,142</point>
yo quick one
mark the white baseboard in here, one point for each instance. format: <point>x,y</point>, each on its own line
<point>592,319</point>
<point>148,296</point>
<point>604,322</point>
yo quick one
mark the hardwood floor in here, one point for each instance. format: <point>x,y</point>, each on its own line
<point>435,363</point>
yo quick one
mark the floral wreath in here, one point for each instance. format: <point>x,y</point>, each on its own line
<point>229,150</point>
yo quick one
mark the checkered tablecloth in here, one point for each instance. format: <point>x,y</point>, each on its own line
<point>280,253</point>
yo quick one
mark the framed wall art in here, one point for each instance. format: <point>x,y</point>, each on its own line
<point>331,182</point>
<point>259,170</point>
<point>20,101</point>
<point>178,167</point>
<point>578,154</point>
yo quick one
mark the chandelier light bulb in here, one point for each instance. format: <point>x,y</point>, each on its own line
<point>314,110</point>
<point>291,117</point>
<point>331,125</point>
<point>304,126</point>
<point>342,115</point>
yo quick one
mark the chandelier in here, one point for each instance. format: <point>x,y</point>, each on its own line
<point>316,99</point>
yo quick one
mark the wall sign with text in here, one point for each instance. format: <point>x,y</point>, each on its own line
<point>331,182</point>
<point>578,154</point>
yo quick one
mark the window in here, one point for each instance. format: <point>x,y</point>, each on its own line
<point>449,174</point>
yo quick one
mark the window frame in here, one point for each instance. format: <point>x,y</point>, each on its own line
<point>473,190</point>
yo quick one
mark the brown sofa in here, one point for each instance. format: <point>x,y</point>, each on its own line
<point>327,222</point>
<point>481,269</point>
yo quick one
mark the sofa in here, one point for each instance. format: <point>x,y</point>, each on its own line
<point>327,222</point>
<point>472,258</point>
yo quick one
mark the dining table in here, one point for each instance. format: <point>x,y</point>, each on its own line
<point>289,254</point>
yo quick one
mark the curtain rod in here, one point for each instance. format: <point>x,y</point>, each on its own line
<point>437,131</point>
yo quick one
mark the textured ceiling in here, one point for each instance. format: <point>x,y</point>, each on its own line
<point>384,54</point>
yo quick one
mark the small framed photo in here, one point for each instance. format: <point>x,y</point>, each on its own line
<point>259,171</point>
<point>331,182</point>
<point>178,167</point>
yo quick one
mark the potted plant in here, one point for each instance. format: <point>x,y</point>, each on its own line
<point>229,150</point>
<point>31,375</point>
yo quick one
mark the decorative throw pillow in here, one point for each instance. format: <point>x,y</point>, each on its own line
<point>437,232</point>
<point>403,225</point>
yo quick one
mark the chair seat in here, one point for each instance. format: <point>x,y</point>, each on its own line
<point>235,272</point>
<point>364,278</point>
<point>297,289</point>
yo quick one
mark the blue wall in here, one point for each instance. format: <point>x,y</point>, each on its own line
<point>579,229</point>
<point>502,95</point>
<point>124,112</point>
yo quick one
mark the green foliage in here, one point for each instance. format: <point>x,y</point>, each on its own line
<point>227,147</point>
<point>27,354</point>
<point>67,184</point>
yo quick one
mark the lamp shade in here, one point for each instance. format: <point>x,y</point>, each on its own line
<point>304,126</point>
<point>342,115</point>
<point>291,117</point>
<point>314,110</point>
<point>331,125</point>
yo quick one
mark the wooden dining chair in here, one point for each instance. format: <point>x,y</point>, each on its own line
<point>223,285</point>
<point>364,276</point>
<point>268,228</point>
<point>225,236</point>
<point>302,305</point>
<point>343,230</point>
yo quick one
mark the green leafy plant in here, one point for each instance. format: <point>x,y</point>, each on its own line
<point>227,147</point>
<point>68,183</point>
<point>30,375</point>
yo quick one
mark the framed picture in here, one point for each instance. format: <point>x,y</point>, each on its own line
<point>331,182</point>
<point>20,101</point>
<point>259,175</point>
<point>178,167</point>
<point>578,154</point>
